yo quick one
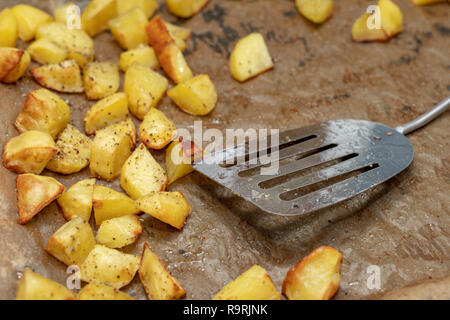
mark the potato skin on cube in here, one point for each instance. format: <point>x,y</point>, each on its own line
<point>316,11</point>
<point>63,77</point>
<point>13,64</point>
<point>129,28</point>
<point>185,8</point>
<point>157,131</point>
<point>8,29</point>
<point>77,201</point>
<point>29,19</point>
<point>96,16</point>
<point>119,232</point>
<point>100,291</point>
<point>33,286</point>
<point>101,79</point>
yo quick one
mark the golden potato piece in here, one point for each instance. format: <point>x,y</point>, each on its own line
<point>127,127</point>
<point>142,54</point>
<point>250,58</point>
<point>72,243</point>
<point>45,51</point>
<point>129,28</point>
<point>362,33</point>
<point>8,29</point>
<point>13,64</point>
<point>74,151</point>
<point>315,277</point>
<point>196,96</point>
<point>101,79</point>
<point>33,286</point>
<point>177,31</point>
<point>34,193</point>
<point>29,152</point>
<point>391,17</point>
<point>77,201</point>
<point>96,16</point>
<point>179,157</point>
<point>100,291</point>
<point>425,2</point>
<point>141,174</point>
<point>148,6</point>
<point>43,111</point>
<point>185,8</point>
<point>316,11</point>
<point>145,88</point>
<point>253,284</point>
<point>156,131</point>
<point>119,232</point>
<point>62,77</point>
<point>109,204</point>
<point>168,207</point>
<point>158,283</point>
<point>109,266</point>
<point>29,19</point>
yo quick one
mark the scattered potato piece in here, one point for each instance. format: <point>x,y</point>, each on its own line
<point>72,243</point>
<point>46,51</point>
<point>158,283</point>
<point>179,157</point>
<point>127,127</point>
<point>129,28</point>
<point>391,17</point>
<point>100,291</point>
<point>315,277</point>
<point>185,8</point>
<point>109,204</point>
<point>157,131</point>
<point>34,193</point>
<point>13,64</point>
<point>425,2</point>
<point>316,11</point>
<point>62,13</point>
<point>177,31</point>
<point>142,54</point>
<point>8,29</point>
<point>96,16</point>
<point>109,266</point>
<point>250,57</point>
<point>361,33</point>
<point>77,201</point>
<point>148,6</point>
<point>74,151</point>
<point>119,232</point>
<point>62,77</point>
<point>141,174</point>
<point>253,284</point>
<point>29,152</point>
<point>101,79</point>
<point>33,286</point>
<point>29,19</point>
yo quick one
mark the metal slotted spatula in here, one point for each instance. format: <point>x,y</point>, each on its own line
<point>319,165</point>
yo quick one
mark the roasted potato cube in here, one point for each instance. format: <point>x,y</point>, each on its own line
<point>119,232</point>
<point>29,152</point>
<point>391,17</point>
<point>425,2</point>
<point>253,284</point>
<point>315,277</point>
<point>156,131</point>
<point>148,6</point>
<point>8,29</point>
<point>33,286</point>
<point>72,243</point>
<point>316,11</point>
<point>179,157</point>
<point>142,54</point>
<point>63,77</point>
<point>141,174</point>
<point>65,13</point>
<point>109,266</point>
<point>34,193</point>
<point>127,127</point>
<point>144,88</point>
<point>158,283</point>
<point>77,201</point>
<point>13,64</point>
<point>29,19</point>
<point>74,150</point>
<point>129,28</point>
<point>107,111</point>
<point>45,51</point>
<point>97,14</point>
<point>177,31</point>
<point>361,33</point>
<point>109,204</point>
<point>100,291</point>
<point>101,79</point>
<point>168,207</point>
<point>43,111</point>
<point>250,57</point>
<point>185,8</point>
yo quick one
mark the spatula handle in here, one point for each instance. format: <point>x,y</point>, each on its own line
<point>425,118</point>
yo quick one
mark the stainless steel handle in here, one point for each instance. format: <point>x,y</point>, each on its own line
<point>425,118</point>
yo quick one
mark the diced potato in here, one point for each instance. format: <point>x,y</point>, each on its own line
<point>177,31</point>
<point>148,6</point>
<point>109,204</point>
<point>316,11</point>
<point>74,151</point>
<point>179,157</point>
<point>110,149</point>
<point>127,127</point>
<point>107,111</point>
<point>158,283</point>
<point>77,201</point>
<point>46,51</point>
<point>29,152</point>
<point>253,284</point>
<point>34,193</point>
<point>141,174</point>
<point>65,13</point>
<point>13,64</point>
<point>63,77</point>
<point>101,79</point>
<point>425,2</point>
<point>96,16</point>
<point>185,8</point>
<point>29,19</point>
<point>142,54</point>
<point>8,29</point>
<point>144,88</point>
<point>129,28</point>
<point>119,232</point>
<point>109,266</point>
<point>250,57</point>
<point>33,286</point>
<point>72,243</point>
<point>315,277</point>
<point>156,131</point>
<point>391,17</point>
<point>43,111</point>
<point>361,33</point>
<point>100,291</point>
<point>169,207</point>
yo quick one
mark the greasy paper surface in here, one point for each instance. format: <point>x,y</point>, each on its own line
<point>320,74</point>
